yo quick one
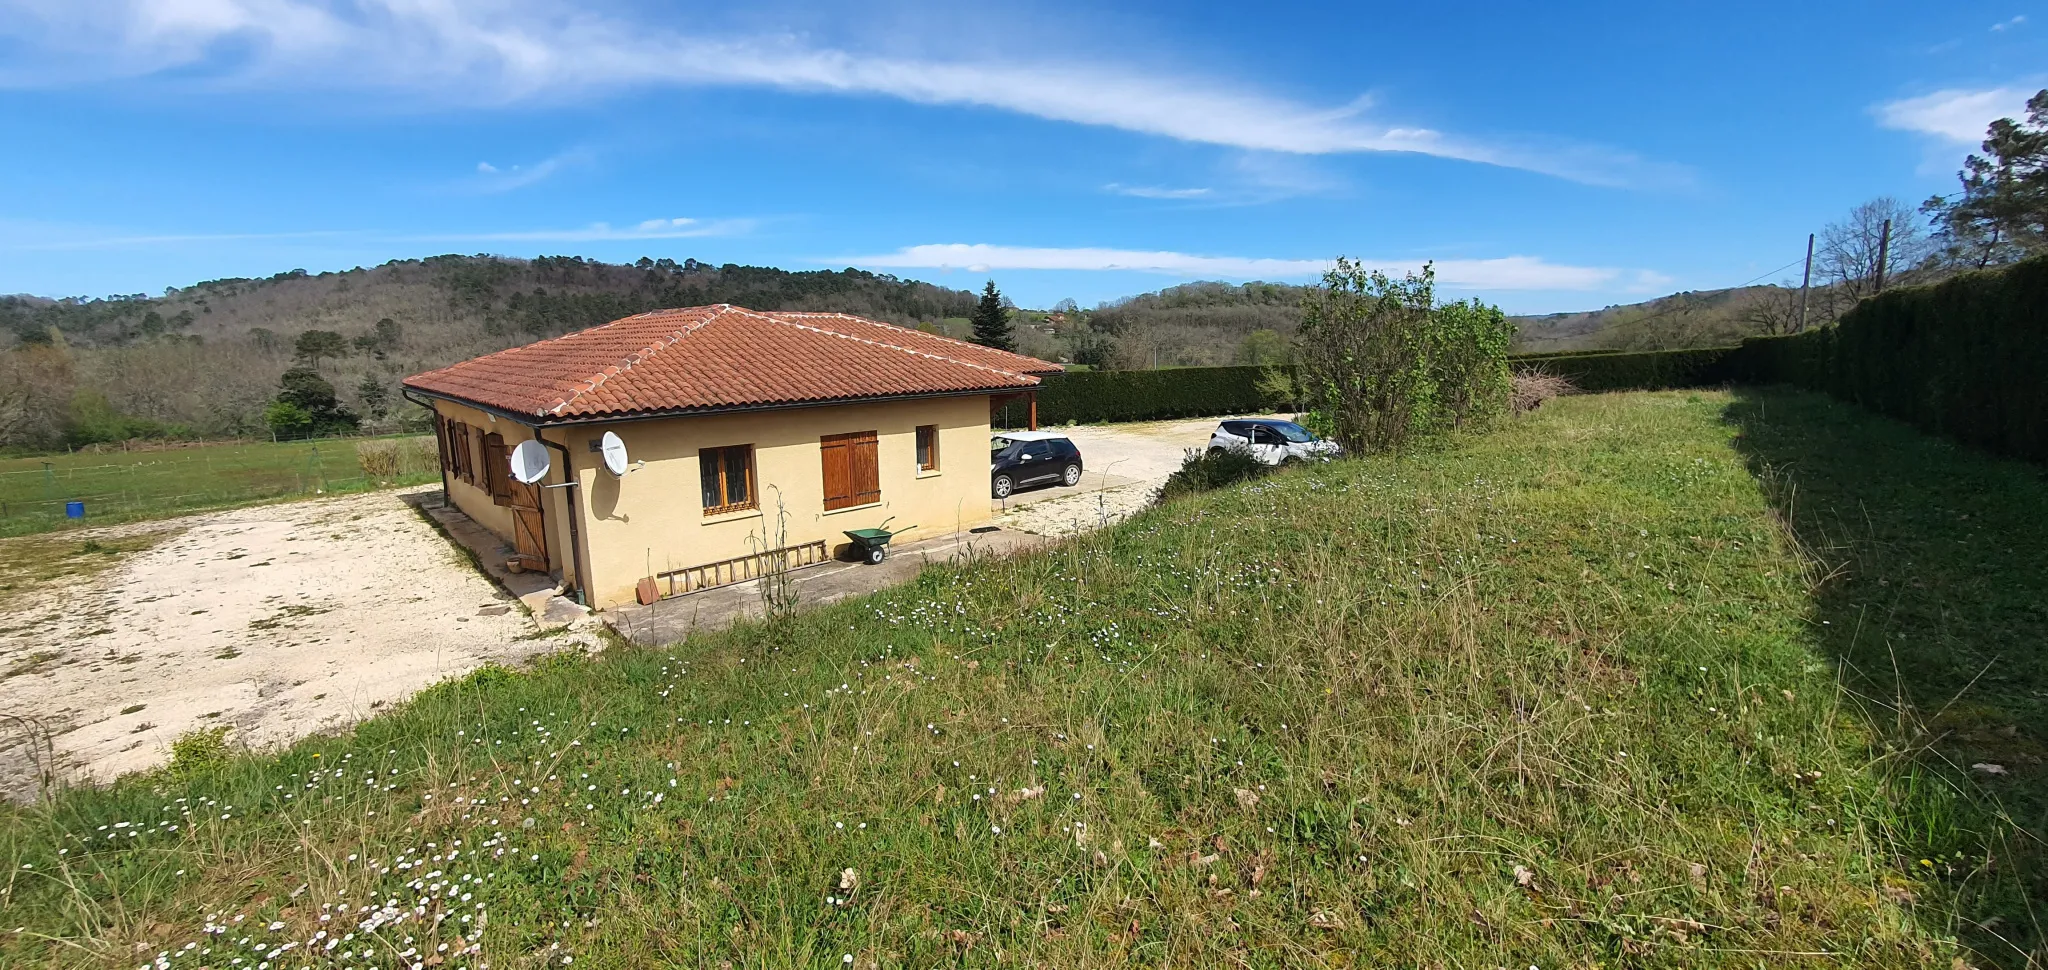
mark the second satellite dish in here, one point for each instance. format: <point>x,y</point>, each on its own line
<point>530,462</point>
<point>614,451</point>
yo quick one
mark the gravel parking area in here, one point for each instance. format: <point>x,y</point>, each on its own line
<point>275,622</point>
<point>1126,464</point>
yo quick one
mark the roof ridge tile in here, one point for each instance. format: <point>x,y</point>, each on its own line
<point>878,343</point>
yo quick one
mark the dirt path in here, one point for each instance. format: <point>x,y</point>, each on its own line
<point>278,622</point>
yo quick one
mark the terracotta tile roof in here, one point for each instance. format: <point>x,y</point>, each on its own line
<point>725,357</point>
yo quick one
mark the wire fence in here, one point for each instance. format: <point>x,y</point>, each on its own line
<point>60,491</point>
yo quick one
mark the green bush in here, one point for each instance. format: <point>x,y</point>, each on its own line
<point>1203,471</point>
<point>199,752</point>
<point>94,421</point>
<point>1966,358</point>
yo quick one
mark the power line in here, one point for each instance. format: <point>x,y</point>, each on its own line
<point>1685,303</point>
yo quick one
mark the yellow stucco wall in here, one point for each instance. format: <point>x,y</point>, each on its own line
<point>473,500</point>
<point>476,502</point>
<point>653,519</point>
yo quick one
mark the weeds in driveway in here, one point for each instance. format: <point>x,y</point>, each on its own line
<point>1556,696</point>
<point>31,566</point>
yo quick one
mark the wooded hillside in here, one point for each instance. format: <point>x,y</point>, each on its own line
<point>206,359</point>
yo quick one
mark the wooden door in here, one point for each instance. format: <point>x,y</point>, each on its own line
<point>529,526</point>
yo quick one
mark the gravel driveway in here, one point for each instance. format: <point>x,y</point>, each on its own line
<point>1126,464</point>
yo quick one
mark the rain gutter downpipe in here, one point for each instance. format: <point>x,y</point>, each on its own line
<point>440,441</point>
<point>575,539</point>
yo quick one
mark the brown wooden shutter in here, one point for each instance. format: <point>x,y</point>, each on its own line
<point>441,442</point>
<point>497,470</point>
<point>458,449</point>
<point>852,475</point>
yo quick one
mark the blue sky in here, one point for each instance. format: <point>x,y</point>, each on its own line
<point>1548,157</point>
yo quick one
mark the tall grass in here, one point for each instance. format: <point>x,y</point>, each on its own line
<point>1552,697</point>
<point>395,459</point>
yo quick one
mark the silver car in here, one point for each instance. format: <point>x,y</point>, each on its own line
<point>1272,441</point>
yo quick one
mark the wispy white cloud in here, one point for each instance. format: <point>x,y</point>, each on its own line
<point>62,238</point>
<point>1954,114</point>
<point>1504,273</point>
<point>492,179</point>
<point>1156,191</point>
<point>511,50</point>
<point>45,238</point>
<point>2009,24</point>
<point>604,232</point>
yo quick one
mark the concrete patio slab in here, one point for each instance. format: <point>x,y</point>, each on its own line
<point>537,591</point>
<point>674,619</point>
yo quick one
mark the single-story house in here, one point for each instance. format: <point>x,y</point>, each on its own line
<point>755,440</point>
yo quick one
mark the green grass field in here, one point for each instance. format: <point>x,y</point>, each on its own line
<point>130,486</point>
<point>1565,696</point>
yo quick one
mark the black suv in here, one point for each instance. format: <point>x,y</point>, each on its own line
<point>1020,458</point>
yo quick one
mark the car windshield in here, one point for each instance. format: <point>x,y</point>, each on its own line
<point>996,445</point>
<point>1292,432</point>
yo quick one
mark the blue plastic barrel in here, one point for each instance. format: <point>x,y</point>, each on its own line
<point>74,510</point>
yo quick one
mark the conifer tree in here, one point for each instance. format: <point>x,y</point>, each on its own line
<point>992,321</point>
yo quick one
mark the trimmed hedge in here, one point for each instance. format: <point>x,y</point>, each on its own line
<point>1196,392</point>
<point>1966,358</point>
<point>1644,371</point>
<point>1144,395</point>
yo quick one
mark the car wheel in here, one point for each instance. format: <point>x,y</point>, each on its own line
<point>1071,477</point>
<point>1004,486</point>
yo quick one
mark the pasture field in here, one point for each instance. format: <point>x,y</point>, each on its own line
<point>1597,689</point>
<point>132,486</point>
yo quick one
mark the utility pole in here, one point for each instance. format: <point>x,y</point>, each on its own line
<point>1884,251</point>
<point>1805,280</point>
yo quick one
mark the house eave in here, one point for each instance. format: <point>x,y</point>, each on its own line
<point>545,421</point>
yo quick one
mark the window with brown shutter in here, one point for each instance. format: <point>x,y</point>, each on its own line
<point>465,465</point>
<point>457,466</point>
<point>497,470</point>
<point>852,476</point>
<point>728,477</point>
<point>927,447</point>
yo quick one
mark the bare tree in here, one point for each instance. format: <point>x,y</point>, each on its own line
<point>1672,323</point>
<point>35,392</point>
<point>1849,252</point>
<point>1775,310</point>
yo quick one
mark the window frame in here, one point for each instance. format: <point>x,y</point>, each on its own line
<point>713,460</point>
<point>927,449</point>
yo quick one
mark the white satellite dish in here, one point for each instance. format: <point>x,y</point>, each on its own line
<point>530,462</point>
<point>614,451</point>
